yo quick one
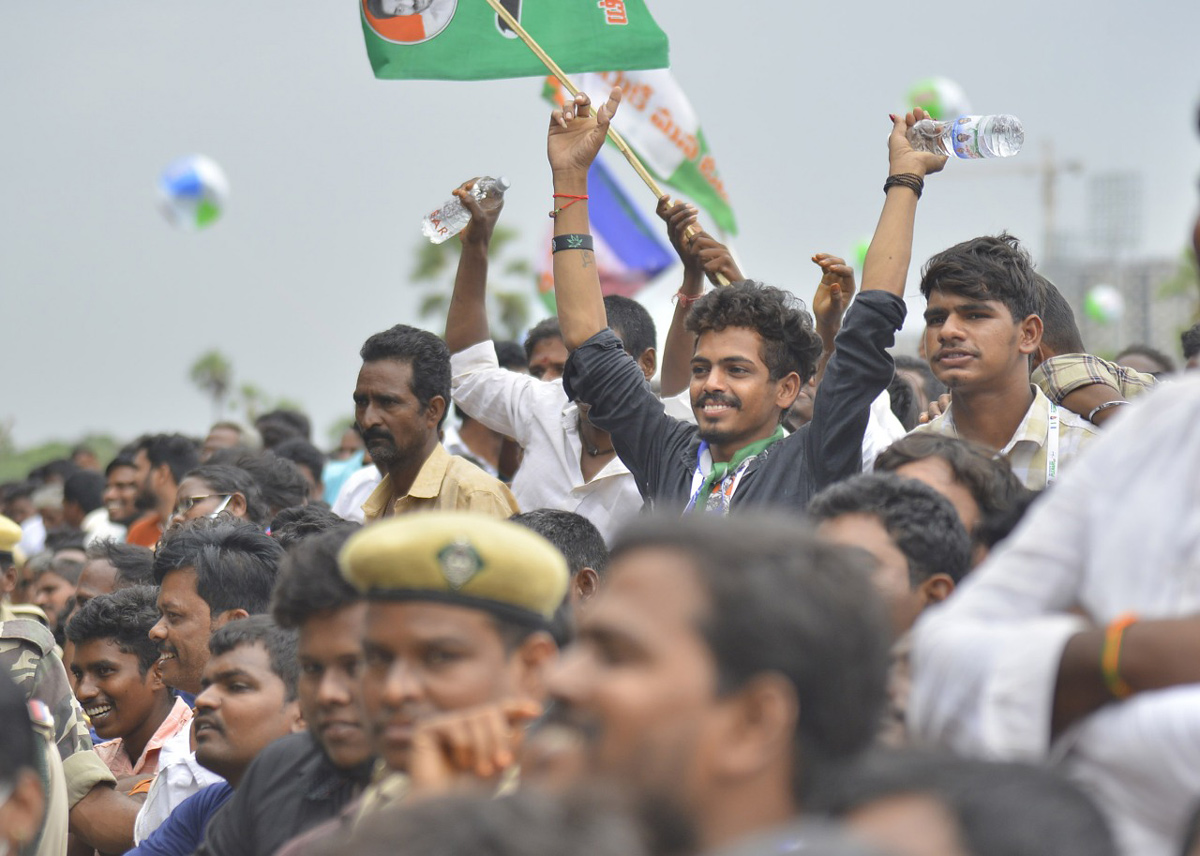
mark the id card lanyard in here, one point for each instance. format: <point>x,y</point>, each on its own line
<point>1052,445</point>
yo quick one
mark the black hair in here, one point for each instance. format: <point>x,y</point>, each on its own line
<point>86,489</point>
<point>275,426</point>
<point>125,617</point>
<point>235,562</point>
<point>576,537</point>
<point>511,356</point>
<point>1001,497</point>
<point>547,328</point>
<point>280,481</point>
<point>922,523</point>
<point>134,563</point>
<point>1000,808</point>
<point>1060,333</point>
<point>124,458</point>
<point>67,568</point>
<point>781,600</point>
<point>902,400</point>
<point>529,822</point>
<point>18,745</point>
<point>425,353</point>
<point>279,642</point>
<point>299,523</point>
<point>1189,340</point>
<point>179,453</point>
<point>632,324</point>
<point>1150,353</point>
<point>303,454</point>
<point>227,480</point>
<point>309,580</point>
<point>60,469</point>
<point>789,342</point>
<point>987,268</point>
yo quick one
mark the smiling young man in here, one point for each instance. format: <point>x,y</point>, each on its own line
<point>306,779</point>
<point>160,462</point>
<point>248,701</point>
<point>117,684</point>
<point>400,402</point>
<point>755,348</point>
<point>210,574</point>
<point>981,330</point>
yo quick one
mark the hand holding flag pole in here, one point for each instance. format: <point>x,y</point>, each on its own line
<point>613,134</point>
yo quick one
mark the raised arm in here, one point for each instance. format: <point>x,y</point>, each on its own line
<point>830,303</point>
<point>576,135</point>
<point>702,255</point>
<point>466,320</point>
<point>886,265</point>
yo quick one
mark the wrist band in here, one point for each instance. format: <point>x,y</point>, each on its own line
<point>570,242</point>
<point>1110,656</point>
<point>1100,408</point>
<point>686,300</point>
<point>563,208</point>
<point>910,180</point>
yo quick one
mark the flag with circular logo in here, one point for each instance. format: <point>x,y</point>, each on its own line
<point>467,40</point>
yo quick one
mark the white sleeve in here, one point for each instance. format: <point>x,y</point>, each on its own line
<point>502,400</point>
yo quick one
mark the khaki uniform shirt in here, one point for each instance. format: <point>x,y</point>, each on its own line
<point>445,483</point>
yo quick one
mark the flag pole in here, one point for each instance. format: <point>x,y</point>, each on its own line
<point>613,133</point>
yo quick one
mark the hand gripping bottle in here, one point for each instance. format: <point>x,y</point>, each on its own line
<point>453,217</point>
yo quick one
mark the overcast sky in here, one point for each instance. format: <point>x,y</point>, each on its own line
<point>106,306</point>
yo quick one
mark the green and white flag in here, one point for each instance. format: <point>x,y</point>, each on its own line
<point>467,40</point>
<point>658,122</point>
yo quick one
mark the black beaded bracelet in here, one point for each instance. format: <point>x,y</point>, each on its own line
<point>571,242</point>
<point>910,180</point>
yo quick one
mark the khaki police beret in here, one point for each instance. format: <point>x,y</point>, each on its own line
<point>461,558</point>
<point>10,534</point>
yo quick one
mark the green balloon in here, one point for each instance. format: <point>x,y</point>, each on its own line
<point>939,97</point>
<point>860,255</point>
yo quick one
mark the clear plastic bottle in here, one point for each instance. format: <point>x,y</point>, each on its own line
<point>969,136</point>
<point>453,217</point>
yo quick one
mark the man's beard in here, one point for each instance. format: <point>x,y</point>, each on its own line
<point>715,435</point>
<point>385,452</point>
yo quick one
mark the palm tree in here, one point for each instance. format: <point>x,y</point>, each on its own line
<point>212,373</point>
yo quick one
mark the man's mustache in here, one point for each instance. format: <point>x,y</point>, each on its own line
<point>378,434</point>
<point>717,398</point>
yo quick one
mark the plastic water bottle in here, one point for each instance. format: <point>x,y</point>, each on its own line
<point>453,217</point>
<point>969,136</point>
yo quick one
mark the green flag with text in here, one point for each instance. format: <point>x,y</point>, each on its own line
<point>466,40</point>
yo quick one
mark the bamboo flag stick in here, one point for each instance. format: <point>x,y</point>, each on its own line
<point>613,133</point>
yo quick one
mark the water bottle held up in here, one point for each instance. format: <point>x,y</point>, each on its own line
<point>453,217</point>
<point>969,136</point>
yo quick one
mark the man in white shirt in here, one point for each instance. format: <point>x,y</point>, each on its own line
<point>981,329</point>
<point>1038,655</point>
<point>569,464</point>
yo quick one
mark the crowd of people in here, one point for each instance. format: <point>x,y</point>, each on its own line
<point>774,590</point>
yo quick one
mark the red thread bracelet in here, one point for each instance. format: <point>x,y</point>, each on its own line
<point>685,300</point>
<point>570,196</point>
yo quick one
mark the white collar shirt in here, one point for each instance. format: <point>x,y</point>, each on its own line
<point>1118,533</point>
<point>538,416</point>
<point>179,776</point>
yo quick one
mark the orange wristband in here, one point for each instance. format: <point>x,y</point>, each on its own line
<point>1110,656</point>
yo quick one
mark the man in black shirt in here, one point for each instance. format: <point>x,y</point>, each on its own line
<point>754,350</point>
<point>305,779</point>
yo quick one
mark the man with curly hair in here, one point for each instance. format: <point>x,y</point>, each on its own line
<point>755,348</point>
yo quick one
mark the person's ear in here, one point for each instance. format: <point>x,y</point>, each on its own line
<point>8,580</point>
<point>434,411</point>
<point>586,583</point>
<point>787,390</point>
<point>237,505</point>
<point>759,725</point>
<point>936,589</point>
<point>219,621</point>
<point>161,475</point>
<point>294,717</point>
<point>533,660</point>
<point>1029,335</point>
<point>648,362</point>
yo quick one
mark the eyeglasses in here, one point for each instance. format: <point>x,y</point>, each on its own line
<point>189,502</point>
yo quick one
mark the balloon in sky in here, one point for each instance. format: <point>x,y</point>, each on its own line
<point>860,256</point>
<point>940,97</point>
<point>1104,304</point>
<point>192,192</point>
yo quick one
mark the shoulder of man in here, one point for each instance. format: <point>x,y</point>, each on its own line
<point>24,643</point>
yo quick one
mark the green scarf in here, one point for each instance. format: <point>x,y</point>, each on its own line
<point>721,470</point>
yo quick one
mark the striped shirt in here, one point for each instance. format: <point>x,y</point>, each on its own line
<point>1027,450</point>
<point>1059,376</point>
